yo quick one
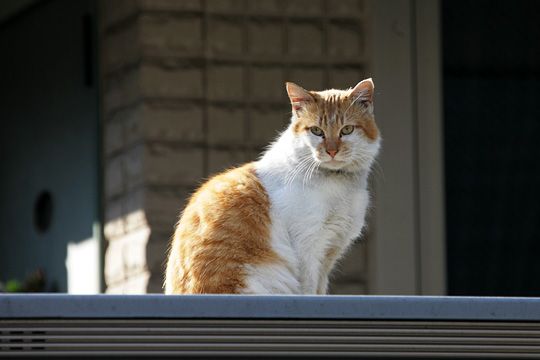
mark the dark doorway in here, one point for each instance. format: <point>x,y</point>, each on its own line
<point>491,75</point>
<point>49,138</point>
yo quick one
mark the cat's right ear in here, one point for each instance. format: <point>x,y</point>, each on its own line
<point>298,95</point>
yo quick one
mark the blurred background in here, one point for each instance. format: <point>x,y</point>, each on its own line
<point>113,112</point>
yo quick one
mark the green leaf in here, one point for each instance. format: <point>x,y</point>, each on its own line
<point>13,286</point>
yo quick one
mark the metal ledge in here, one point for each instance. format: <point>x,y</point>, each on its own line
<point>158,326</point>
<point>269,307</point>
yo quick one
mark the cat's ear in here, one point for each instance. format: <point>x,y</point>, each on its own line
<point>298,95</point>
<point>363,92</point>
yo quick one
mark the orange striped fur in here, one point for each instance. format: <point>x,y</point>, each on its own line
<point>225,226</point>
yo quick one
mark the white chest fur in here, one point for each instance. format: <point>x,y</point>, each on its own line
<point>313,224</point>
<point>314,218</point>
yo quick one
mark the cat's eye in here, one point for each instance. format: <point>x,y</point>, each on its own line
<point>317,131</point>
<point>348,129</point>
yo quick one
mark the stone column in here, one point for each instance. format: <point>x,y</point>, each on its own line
<point>152,106</point>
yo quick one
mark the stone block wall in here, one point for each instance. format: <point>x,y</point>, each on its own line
<point>191,87</point>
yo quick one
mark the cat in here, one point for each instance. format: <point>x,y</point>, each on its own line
<point>278,225</point>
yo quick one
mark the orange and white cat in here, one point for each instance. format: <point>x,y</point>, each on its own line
<point>278,225</point>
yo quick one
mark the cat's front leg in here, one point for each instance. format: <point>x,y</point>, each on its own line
<point>331,256</point>
<point>309,277</point>
<point>322,287</point>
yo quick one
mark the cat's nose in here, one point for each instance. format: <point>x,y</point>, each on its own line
<point>332,153</point>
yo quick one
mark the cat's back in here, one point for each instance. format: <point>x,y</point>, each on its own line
<point>224,228</point>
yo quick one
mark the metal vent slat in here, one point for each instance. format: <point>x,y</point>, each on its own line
<point>283,354</point>
<point>104,339</point>
<point>270,347</point>
<point>252,337</point>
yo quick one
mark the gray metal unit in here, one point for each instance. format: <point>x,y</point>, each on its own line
<point>341,326</point>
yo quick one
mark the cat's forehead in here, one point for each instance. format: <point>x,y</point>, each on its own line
<point>332,102</point>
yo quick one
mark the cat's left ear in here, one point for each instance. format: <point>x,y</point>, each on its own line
<point>363,92</point>
<point>298,95</point>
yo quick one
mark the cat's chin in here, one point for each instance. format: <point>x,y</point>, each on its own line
<point>334,164</point>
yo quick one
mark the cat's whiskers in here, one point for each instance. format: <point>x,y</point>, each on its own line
<point>301,169</point>
<point>302,162</point>
<point>309,172</point>
<point>315,169</point>
<point>292,175</point>
<point>302,165</point>
<point>305,175</point>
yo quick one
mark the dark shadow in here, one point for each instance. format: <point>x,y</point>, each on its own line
<point>491,114</point>
<point>49,139</point>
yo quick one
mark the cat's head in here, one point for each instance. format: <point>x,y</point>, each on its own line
<point>337,126</point>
